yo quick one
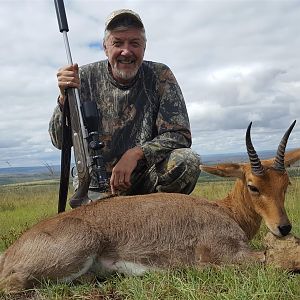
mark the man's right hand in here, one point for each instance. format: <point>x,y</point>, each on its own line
<point>121,172</point>
<point>67,77</point>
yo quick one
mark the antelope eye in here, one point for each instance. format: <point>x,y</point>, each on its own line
<point>253,189</point>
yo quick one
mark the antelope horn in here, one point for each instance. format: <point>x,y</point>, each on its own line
<point>256,166</point>
<point>279,159</point>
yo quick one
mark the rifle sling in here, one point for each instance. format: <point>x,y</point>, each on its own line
<point>65,157</point>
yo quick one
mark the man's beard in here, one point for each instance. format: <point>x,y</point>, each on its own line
<point>125,75</point>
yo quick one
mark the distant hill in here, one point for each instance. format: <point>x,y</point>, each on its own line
<point>237,157</point>
<point>234,157</point>
<point>29,170</point>
<point>26,174</point>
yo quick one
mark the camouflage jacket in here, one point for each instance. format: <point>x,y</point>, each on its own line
<point>150,112</point>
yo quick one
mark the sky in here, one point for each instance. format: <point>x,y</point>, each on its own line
<point>236,62</point>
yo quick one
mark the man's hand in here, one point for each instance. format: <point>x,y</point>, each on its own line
<point>121,173</point>
<point>67,77</point>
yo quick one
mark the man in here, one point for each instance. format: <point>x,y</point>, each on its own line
<point>143,119</point>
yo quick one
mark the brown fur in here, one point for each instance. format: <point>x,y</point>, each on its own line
<point>283,252</point>
<point>157,231</point>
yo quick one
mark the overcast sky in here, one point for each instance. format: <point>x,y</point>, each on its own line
<point>236,62</point>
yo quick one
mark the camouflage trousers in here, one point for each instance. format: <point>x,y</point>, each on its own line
<point>177,173</point>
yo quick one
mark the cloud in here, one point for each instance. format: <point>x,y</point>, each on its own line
<point>236,62</point>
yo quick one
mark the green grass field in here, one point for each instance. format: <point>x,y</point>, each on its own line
<point>23,205</point>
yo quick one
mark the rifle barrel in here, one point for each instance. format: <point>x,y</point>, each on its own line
<point>63,27</point>
<point>61,15</point>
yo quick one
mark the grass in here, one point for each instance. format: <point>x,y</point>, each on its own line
<point>22,205</point>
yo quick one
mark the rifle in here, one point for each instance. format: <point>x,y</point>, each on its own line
<point>80,128</point>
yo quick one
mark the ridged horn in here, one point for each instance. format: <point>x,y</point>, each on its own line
<point>279,159</point>
<point>256,166</point>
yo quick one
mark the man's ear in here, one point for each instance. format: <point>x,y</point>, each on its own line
<point>105,48</point>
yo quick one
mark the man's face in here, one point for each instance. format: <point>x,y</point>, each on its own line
<point>125,52</point>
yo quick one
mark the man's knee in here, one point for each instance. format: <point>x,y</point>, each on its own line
<point>184,158</point>
<point>180,171</point>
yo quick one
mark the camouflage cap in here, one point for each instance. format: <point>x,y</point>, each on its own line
<point>128,16</point>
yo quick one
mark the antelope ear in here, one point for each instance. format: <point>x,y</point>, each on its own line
<point>224,170</point>
<point>291,157</point>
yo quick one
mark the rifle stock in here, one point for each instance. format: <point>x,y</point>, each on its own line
<point>80,146</point>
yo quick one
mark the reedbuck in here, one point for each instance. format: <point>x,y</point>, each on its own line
<point>134,234</point>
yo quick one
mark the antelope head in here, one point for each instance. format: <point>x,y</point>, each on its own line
<point>267,183</point>
<point>260,191</point>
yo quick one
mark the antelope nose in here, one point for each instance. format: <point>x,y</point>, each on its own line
<point>285,229</point>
